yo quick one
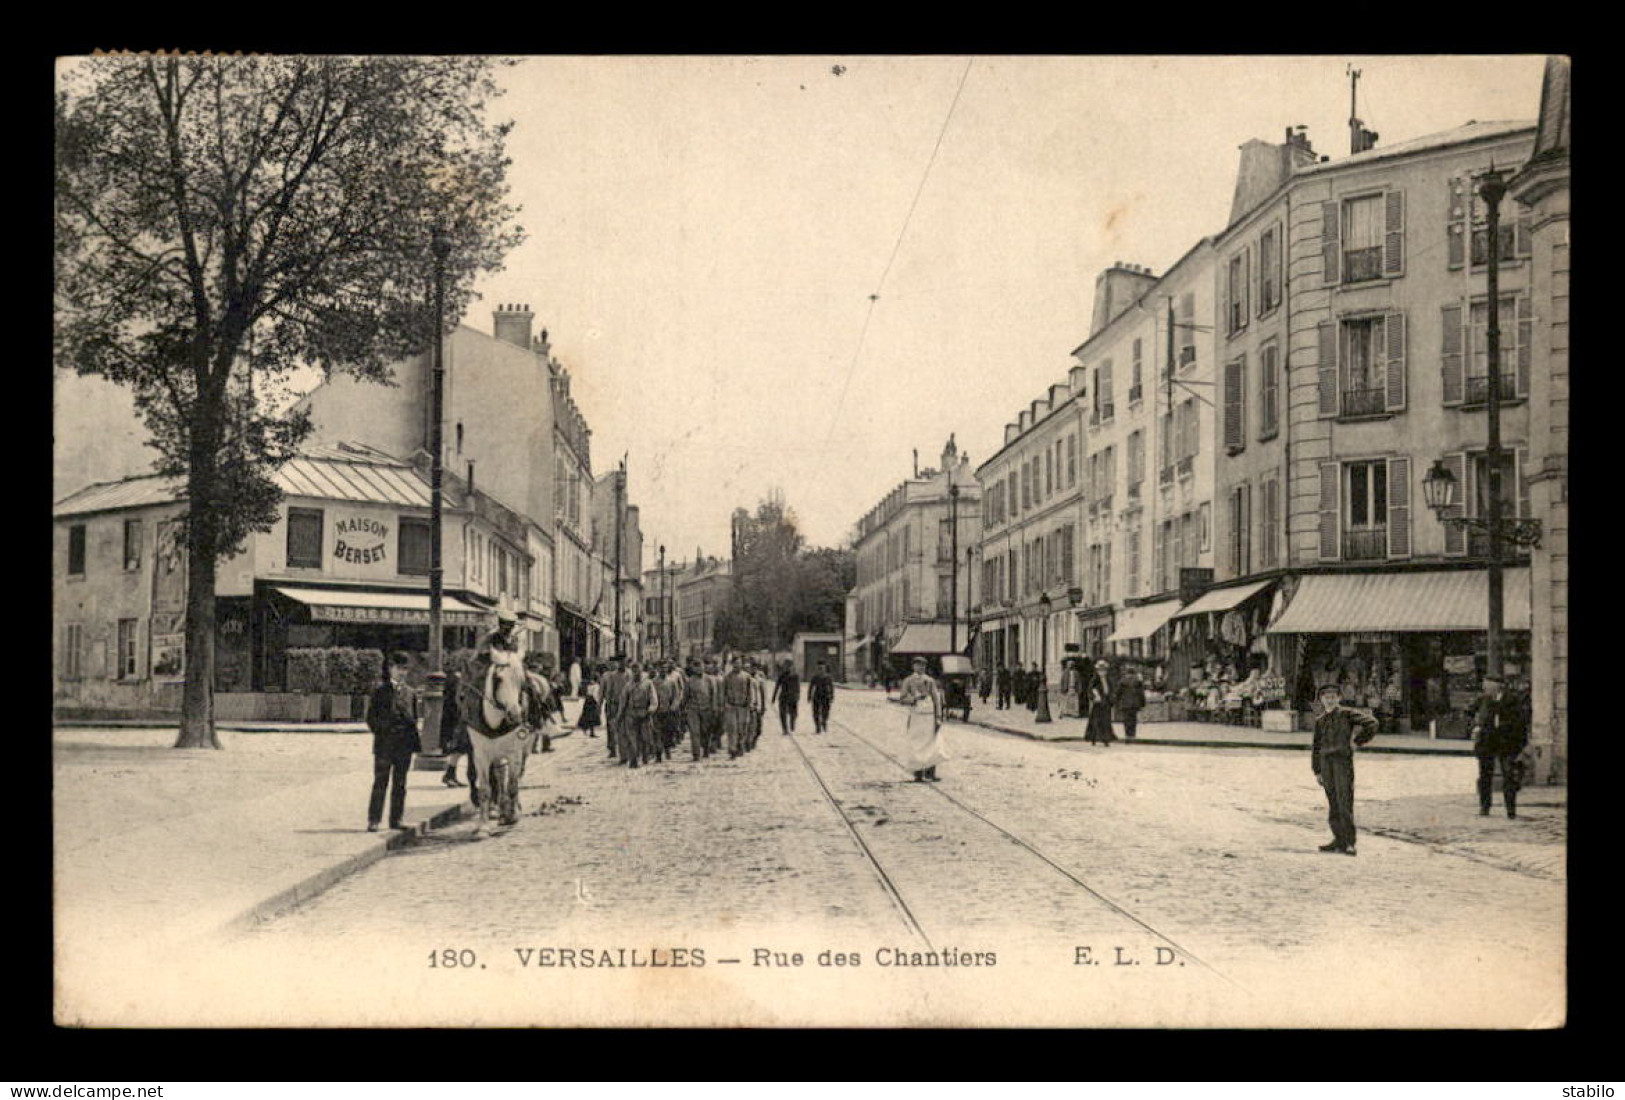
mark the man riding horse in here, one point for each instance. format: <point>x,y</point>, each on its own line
<point>503,705</point>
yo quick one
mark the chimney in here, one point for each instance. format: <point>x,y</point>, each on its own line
<point>1263,168</point>
<point>512,323</point>
<point>1117,288</point>
<point>1078,379</point>
<point>540,345</point>
<point>916,462</point>
<point>949,453</point>
<point>1300,154</point>
<point>1011,433</point>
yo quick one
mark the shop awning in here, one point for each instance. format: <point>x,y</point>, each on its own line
<point>1222,599</point>
<point>1392,602</point>
<point>1143,621</point>
<point>929,639</point>
<point>329,605</point>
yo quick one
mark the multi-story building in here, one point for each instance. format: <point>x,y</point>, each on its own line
<point>911,549</point>
<point>660,609</point>
<point>703,592</point>
<point>345,564</point>
<point>1543,188</point>
<point>1351,343</point>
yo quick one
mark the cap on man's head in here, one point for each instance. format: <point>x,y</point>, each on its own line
<point>1330,689</point>
<point>399,658</point>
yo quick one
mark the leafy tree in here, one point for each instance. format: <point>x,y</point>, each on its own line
<point>221,221</point>
<point>780,586</point>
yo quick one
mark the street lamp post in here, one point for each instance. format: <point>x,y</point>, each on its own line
<point>1043,663</point>
<point>970,579</point>
<point>434,688</point>
<point>1439,486</point>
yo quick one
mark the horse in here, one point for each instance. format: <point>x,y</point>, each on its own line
<point>498,733</point>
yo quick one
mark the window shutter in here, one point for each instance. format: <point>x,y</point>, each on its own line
<point>1394,326</point>
<point>1330,472</point>
<point>1246,529</point>
<point>1520,471</point>
<point>1456,223</point>
<point>1521,237</point>
<point>1455,380</point>
<point>1393,250</point>
<point>1329,229</point>
<point>1399,507</point>
<point>1526,332</point>
<point>1455,538</point>
<point>1328,368</point>
<point>1246,282</point>
<point>1232,406</point>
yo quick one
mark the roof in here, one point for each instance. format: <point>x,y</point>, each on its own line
<point>1552,139</point>
<point>338,472</point>
<point>1436,600</point>
<point>1461,135</point>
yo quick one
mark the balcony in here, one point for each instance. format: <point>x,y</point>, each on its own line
<point>1478,389</point>
<point>1362,265</point>
<point>1365,544</point>
<point>1365,402</point>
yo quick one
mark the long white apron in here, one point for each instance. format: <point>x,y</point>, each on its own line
<point>924,734</point>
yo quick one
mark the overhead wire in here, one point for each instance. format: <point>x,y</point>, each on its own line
<point>874,298</point>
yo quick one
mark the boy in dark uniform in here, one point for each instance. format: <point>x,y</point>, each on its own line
<point>1499,736</point>
<point>1337,731</point>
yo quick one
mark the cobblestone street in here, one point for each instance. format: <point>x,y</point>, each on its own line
<point>1197,870</point>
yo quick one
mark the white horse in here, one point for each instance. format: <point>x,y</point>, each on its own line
<point>499,736</point>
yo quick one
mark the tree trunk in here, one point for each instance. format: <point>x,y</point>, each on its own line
<point>197,697</point>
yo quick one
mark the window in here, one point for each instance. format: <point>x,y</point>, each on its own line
<point>1108,473</point>
<point>1134,388</point>
<point>1240,542</point>
<point>1188,432</point>
<point>1269,390</point>
<point>1362,238</point>
<point>1106,573</point>
<point>1176,551</point>
<point>1515,324</point>
<point>1026,487</point>
<point>945,540</point>
<point>1476,494</point>
<point>945,596</point>
<point>1187,331</point>
<point>304,538</point>
<point>1235,405</point>
<point>126,669</point>
<point>1204,526</point>
<point>1166,454</point>
<point>1364,367</point>
<point>906,610</point>
<point>1236,293</point>
<point>76,550</point>
<point>412,554</point>
<point>1136,463</point>
<point>1010,587</point>
<point>1365,511</point>
<point>1103,380</point>
<point>1133,588</point>
<point>132,544</point>
<point>1071,461</point>
<point>1269,270</point>
<point>73,648</point>
<point>1049,473</point>
<point>1068,565</point>
<point>1464,206</point>
<point>1269,554</point>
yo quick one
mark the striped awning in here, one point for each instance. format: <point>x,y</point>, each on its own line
<point>1221,599</point>
<point>1381,603</point>
<point>1137,623</point>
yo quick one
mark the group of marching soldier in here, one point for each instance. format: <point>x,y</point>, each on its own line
<point>648,709</point>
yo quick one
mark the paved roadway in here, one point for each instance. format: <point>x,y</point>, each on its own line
<point>1191,876</point>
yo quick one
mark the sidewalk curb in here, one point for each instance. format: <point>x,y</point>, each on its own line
<point>1399,750</point>
<point>315,884</point>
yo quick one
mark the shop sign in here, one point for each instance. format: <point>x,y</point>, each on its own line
<point>409,616</point>
<point>1193,582</point>
<point>169,657</point>
<point>360,540</point>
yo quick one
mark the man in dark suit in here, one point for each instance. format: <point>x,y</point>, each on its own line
<point>1499,736</point>
<point>392,715</point>
<point>1337,731</point>
<point>1003,680</point>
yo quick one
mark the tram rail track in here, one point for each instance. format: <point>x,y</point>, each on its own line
<point>895,893</point>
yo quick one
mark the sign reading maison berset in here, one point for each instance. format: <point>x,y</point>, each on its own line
<point>360,540</point>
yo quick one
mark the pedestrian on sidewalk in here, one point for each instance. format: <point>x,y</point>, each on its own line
<point>984,684</point>
<point>591,712</point>
<point>613,685</point>
<point>1129,701</point>
<point>575,677</point>
<point>821,694</point>
<point>392,715</point>
<point>1499,736</point>
<point>758,703</point>
<point>923,727</point>
<point>1097,695</point>
<point>1337,731</point>
<point>787,691</point>
<point>453,734</point>
<point>1003,680</point>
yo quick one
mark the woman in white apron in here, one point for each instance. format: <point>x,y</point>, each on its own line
<point>922,696</point>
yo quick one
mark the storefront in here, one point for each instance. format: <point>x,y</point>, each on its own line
<point>1408,646</point>
<point>1218,659</point>
<point>576,635</point>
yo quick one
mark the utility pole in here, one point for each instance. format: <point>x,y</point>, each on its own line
<point>620,512</point>
<point>1493,189</point>
<point>664,651</point>
<point>434,689</point>
<point>953,582</point>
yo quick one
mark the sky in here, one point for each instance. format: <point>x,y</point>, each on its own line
<point>704,236</point>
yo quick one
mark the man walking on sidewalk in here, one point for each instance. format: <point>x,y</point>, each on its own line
<point>1337,731</point>
<point>787,692</point>
<point>1130,701</point>
<point>392,715</point>
<point>1003,680</point>
<point>821,693</point>
<point>1499,736</point>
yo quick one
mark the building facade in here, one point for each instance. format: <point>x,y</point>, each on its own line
<point>1542,188</point>
<point>702,593</point>
<point>1351,346</point>
<point>915,563</point>
<point>660,632</point>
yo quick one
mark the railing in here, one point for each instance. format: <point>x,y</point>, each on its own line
<point>1166,476</point>
<point>1362,264</point>
<point>1367,402</point>
<point>1187,466</point>
<point>1187,355</point>
<point>1365,544</point>
<point>1135,393</point>
<point>1478,389</point>
<point>1107,410</point>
